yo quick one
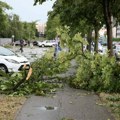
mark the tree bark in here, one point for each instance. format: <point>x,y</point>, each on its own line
<point>107,16</point>
<point>96,40</point>
<point>89,39</point>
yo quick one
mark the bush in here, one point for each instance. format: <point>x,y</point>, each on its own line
<point>116,39</point>
<point>99,73</point>
<point>47,66</point>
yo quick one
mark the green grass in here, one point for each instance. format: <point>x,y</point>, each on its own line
<point>112,101</point>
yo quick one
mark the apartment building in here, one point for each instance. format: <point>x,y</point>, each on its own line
<point>41,28</point>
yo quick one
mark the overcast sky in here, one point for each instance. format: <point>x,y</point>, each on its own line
<point>28,12</point>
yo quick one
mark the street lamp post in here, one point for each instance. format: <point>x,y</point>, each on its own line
<point>13,42</point>
<point>13,39</point>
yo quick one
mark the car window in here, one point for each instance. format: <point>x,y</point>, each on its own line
<point>6,52</point>
<point>47,41</point>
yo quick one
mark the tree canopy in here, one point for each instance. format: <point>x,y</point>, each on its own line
<point>94,13</point>
<point>10,24</point>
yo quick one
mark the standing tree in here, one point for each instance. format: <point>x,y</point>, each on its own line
<point>52,24</point>
<point>3,18</point>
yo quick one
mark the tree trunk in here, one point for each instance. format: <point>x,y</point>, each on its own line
<point>89,39</point>
<point>107,16</point>
<point>96,40</point>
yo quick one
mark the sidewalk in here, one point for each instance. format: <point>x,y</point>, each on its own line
<point>68,103</point>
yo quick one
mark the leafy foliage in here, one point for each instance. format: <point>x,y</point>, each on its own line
<point>3,17</point>
<point>116,39</point>
<point>21,30</point>
<point>27,87</point>
<point>49,67</point>
<point>10,24</point>
<point>52,24</point>
<point>102,75</point>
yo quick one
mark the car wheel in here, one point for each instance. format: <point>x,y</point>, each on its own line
<point>4,68</point>
<point>43,45</point>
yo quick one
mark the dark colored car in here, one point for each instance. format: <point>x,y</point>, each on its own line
<point>35,43</point>
<point>17,43</point>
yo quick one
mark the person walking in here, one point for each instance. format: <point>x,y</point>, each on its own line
<point>28,43</point>
<point>57,50</point>
<point>21,45</point>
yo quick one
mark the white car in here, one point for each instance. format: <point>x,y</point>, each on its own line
<point>116,51</point>
<point>12,62</point>
<point>47,43</point>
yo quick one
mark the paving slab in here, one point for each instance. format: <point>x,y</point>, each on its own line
<point>69,103</point>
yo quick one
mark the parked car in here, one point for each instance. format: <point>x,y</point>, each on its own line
<point>12,62</point>
<point>35,43</point>
<point>17,43</point>
<point>47,43</point>
<point>116,51</point>
<point>102,49</point>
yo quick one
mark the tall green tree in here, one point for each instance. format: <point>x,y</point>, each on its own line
<point>52,24</point>
<point>15,26</point>
<point>111,9</point>
<point>29,30</point>
<point>3,18</point>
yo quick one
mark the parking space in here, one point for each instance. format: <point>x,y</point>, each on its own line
<point>31,53</point>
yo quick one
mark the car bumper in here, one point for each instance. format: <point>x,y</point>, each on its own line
<point>17,67</point>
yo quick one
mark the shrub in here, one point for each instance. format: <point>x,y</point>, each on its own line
<point>47,66</point>
<point>116,39</point>
<point>98,73</point>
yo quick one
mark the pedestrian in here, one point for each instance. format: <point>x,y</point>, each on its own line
<point>57,49</point>
<point>21,45</point>
<point>28,43</point>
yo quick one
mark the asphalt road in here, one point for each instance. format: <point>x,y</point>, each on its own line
<point>31,53</point>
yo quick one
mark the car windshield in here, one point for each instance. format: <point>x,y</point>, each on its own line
<point>6,52</point>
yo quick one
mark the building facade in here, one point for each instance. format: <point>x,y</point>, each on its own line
<point>41,28</point>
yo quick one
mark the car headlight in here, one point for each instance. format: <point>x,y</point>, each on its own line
<point>12,61</point>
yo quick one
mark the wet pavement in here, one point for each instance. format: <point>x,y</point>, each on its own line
<point>66,104</point>
<point>31,53</point>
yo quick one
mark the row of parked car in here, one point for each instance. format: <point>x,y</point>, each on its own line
<point>45,43</point>
<point>102,47</point>
<point>17,43</point>
<point>12,62</point>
